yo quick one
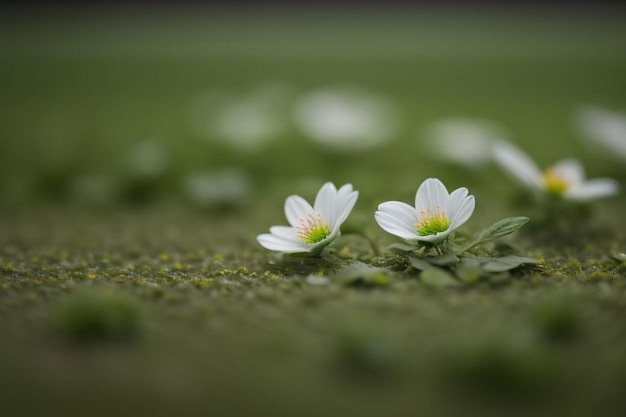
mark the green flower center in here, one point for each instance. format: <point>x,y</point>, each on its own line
<point>431,223</point>
<point>554,184</point>
<point>313,229</point>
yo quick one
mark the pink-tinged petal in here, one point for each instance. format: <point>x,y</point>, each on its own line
<point>430,194</point>
<point>285,232</point>
<point>275,243</point>
<point>569,170</point>
<point>325,202</point>
<point>404,213</point>
<point>392,225</point>
<point>296,208</point>
<point>593,189</point>
<point>518,165</point>
<point>463,212</point>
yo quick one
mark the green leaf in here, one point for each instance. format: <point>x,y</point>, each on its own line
<point>443,260</point>
<point>362,274</point>
<point>506,263</point>
<point>498,230</point>
<point>438,278</point>
<point>429,262</point>
<point>419,263</point>
<point>401,247</point>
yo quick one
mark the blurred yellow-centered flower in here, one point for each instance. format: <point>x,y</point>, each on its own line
<point>565,179</point>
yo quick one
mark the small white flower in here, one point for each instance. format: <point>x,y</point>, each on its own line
<point>564,179</point>
<point>436,214</point>
<point>463,141</point>
<point>605,129</point>
<point>346,119</point>
<point>245,122</point>
<point>311,228</point>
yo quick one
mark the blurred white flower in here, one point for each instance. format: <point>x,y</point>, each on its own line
<point>148,159</point>
<point>311,228</point>
<point>565,179</point>
<point>245,122</point>
<point>228,186</point>
<point>346,119</point>
<point>604,128</point>
<point>463,141</point>
<point>436,214</point>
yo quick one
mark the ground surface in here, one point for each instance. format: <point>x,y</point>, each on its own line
<point>157,305</point>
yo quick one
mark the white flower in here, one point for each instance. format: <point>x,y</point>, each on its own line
<point>245,122</point>
<point>436,213</point>
<point>565,179</point>
<point>462,141</point>
<point>346,119</point>
<point>605,129</point>
<point>311,228</point>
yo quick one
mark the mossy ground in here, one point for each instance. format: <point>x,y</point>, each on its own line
<point>156,306</point>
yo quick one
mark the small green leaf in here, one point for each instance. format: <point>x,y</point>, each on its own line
<point>506,263</point>
<point>401,247</point>
<point>362,274</point>
<point>443,260</point>
<point>503,228</point>
<point>498,230</point>
<point>419,263</point>
<point>438,278</point>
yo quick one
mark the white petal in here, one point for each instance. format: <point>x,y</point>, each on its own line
<point>296,208</point>
<point>517,164</point>
<point>454,201</point>
<point>276,243</point>
<point>593,189</point>
<point>404,213</point>
<point>285,232</point>
<point>392,225</point>
<point>347,207</point>
<point>344,200</point>
<point>604,128</point>
<point>325,201</point>
<point>463,212</point>
<point>430,194</point>
<point>569,170</point>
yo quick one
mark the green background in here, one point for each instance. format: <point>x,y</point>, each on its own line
<point>147,302</point>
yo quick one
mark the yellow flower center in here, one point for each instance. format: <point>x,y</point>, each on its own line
<point>313,229</point>
<point>431,223</point>
<point>554,184</point>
